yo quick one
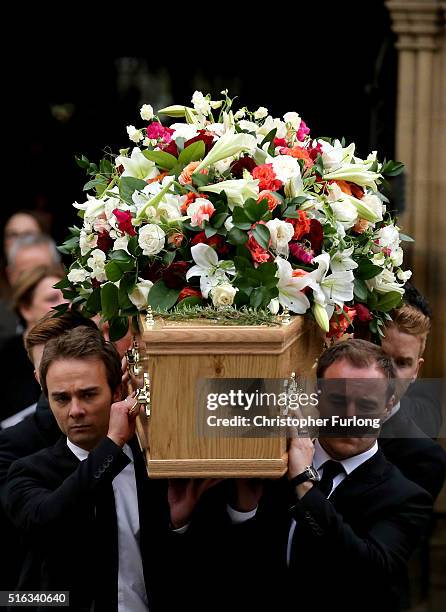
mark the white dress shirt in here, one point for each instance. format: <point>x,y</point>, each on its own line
<point>132,596</point>
<point>350,464</point>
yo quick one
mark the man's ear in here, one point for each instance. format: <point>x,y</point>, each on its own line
<point>420,363</point>
<point>390,403</point>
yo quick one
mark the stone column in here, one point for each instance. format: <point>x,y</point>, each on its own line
<point>421,145</point>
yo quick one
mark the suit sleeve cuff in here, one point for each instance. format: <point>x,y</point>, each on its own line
<point>240,517</point>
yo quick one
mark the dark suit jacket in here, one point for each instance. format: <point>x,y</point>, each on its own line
<point>52,498</point>
<point>418,457</point>
<point>423,403</point>
<point>348,552</point>
<point>37,431</point>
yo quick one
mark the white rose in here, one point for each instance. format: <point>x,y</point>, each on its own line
<point>134,134</point>
<point>78,275</point>
<point>151,239</point>
<point>87,242</point>
<point>139,295</point>
<point>146,112</point>
<point>223,295</point>
<point>404,276</point>
<point>345,212</point>
<point>184,130</point>
<point>281,233</point>
<point>249,126</point>
<point>389,237</point>
<point>285,167</point>
<point>121,243</point>
<point>293,119</point>
<point>96,262</point>
<point>396,256</point>
<point>229,224</point>
<point>261,113</point>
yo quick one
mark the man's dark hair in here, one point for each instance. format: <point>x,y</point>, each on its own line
<point>359,354</point>
<point>51,325</point>
<point>416,299</point>
<point>82,343</point>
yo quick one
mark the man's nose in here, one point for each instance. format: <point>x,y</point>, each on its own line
<point>76,408</point>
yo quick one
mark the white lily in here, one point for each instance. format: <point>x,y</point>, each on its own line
<point>290,288</point>
<point>92,207</point>
<point>140,293</point>
<point>211,271</point>
<point>342,261</point>
<point>152,204</point>
<point>229,144</point>
<point>330,289</point>
<point>237,190</point>
<point>356,173</point>
<point>137,165</point>
<point>385,282</point>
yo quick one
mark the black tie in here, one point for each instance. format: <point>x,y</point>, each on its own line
<point>331,470</point>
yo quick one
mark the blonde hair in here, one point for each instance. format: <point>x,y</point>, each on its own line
<point>412,321</point>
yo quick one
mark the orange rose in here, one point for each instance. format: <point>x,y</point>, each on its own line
<point>269,197</point>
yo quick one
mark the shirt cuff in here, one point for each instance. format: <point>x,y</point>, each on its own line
<point>240,517</point>
<point>182,529</point>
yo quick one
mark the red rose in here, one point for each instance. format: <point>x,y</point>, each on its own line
<point>189,292</point>
<point>104,242</point>
<point>174,275</point>
<point>205,136</point>
<point>244,163</point>
<point>316,236</point>
<point>124,218</point>
<point>363,313</point>
<point>280,142</point>
<point>217,242</point>
<point>171,148</point>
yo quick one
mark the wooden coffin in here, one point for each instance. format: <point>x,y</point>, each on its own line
<point>180,353</point>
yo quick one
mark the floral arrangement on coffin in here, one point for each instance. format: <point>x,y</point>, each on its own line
<point>238,210</point>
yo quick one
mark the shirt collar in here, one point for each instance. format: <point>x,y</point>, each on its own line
<point>350,464</point>
<point>394,410</point>
<point>82,454</point>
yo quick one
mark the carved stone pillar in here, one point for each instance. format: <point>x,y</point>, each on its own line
<point>421,145</point>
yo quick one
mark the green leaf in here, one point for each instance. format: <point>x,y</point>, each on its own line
<point>93,303</point>
<point>255,211</point>
<point>200,180</point>
<point>210,231</point>
<point>259,297</point>
<point>389,301</point>
<point>163,160</point>
<point>218,220</point>
<point>94,183</point>
<point>262,235</point>
<point>392,168</point>
<point>128,185</point>
<point>366,269</point>
<point>237,236</point>
<point>269,137</point>
<point>161,297</point>
<point>118,328</point>
<point>406,238</point>
<point>109,301</point>
<point>168,257</point>
<point>360,290</point>
<point>62,284</point>
<point>120,262</point>
<point>193,152</point>
<point>240,218</point>
<point>189,301</point>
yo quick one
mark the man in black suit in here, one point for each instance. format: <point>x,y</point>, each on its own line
<point>39,430</point>
<point>405,341</point>
<point>338,532</point>
<point>83,503</point>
